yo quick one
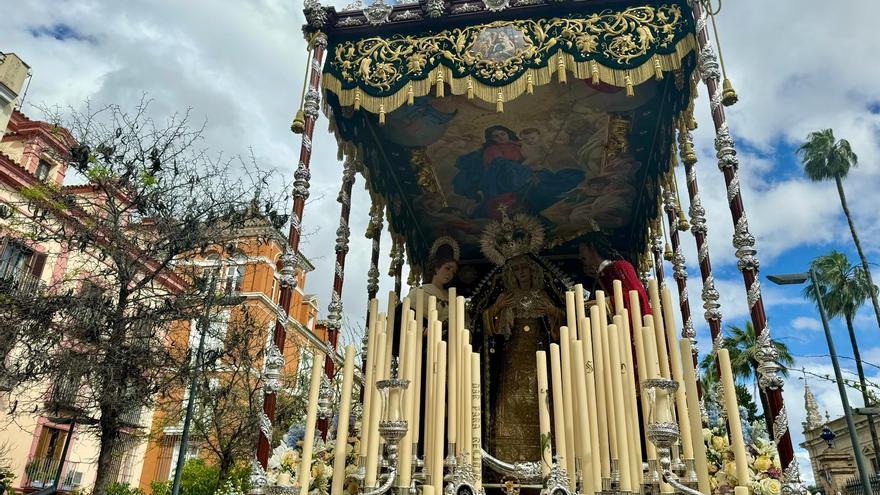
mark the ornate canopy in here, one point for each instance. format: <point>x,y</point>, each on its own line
<point>459,110</point>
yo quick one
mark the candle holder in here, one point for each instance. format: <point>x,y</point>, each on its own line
<point>392,430</point>
<point>281,490</point>
<point>664,434</point>
<point>557,482</point>
<point>523,472</point>
<point>690,473</point>
<point>615,475</point>
<point>461,480</point>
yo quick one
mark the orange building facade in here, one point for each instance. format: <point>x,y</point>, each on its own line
<point>250,270</point>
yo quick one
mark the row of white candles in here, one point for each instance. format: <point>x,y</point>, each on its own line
<point>595,415</point>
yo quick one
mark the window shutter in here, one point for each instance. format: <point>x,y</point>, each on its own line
<point>37,264</point>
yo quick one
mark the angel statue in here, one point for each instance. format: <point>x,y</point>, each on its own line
<point>517,312</point>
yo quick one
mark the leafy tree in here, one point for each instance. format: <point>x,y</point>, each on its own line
<point>826,158</point>
<point>844,288</point>
<point>153,199</point>
<point>742,343</point>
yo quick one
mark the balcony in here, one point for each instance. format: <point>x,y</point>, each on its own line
<point>132,418</point>
<point>14,279</point>
<point>64,396</point>
<point>40,473</point>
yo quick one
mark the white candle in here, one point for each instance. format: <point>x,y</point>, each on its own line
<point>567,392</point>
<point>452,372</point>
<point>601,399</point>
<point>375,412</point>
<point>606,371</point>
<point>638,339</point>
<point>466,403</point>
<point>305,466</point>
<point>684,425</point>
<point>463,387</point>
<point>476,420</point>
<point>587,459</point>
<point>338,483</point>
<point>440,401</point>
<point>369,378</point>
<point>631,408</point>
<point>659,329</point>
<point>419,366</point>
<point>617,395</point>
<point>404,460</point>
<point>734,426</point>
<point>430,375</point>
<point>690,383</point>
<point>558,407</point>
<point>595,464</point>
<point>389,326</point>
<point>617,287</point>
<point>544,413</point>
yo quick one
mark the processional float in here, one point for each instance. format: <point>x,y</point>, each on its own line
<point>517,129</point>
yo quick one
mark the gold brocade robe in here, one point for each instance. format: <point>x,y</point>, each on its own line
<point>513,433</point>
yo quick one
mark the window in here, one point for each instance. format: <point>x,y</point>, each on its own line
<point>234,277</point>
<point>192,451</point>
<point>18,260</point>
<point>43,169</point>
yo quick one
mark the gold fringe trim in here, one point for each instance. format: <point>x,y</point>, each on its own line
<point>442,75</point>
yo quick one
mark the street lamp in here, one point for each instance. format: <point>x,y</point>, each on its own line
<point>799,278</point>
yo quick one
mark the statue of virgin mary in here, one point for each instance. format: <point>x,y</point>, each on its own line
<point>517,312</point>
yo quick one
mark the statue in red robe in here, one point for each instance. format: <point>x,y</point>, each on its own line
<point>606,266</point>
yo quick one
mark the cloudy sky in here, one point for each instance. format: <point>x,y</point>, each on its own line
<point>798,65</point>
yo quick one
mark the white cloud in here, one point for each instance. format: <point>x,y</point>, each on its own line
<point>806,323</point>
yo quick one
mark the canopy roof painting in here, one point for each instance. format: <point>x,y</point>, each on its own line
<point>463,111</point>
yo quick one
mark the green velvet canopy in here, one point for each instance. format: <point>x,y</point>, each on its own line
<point>458,119</point>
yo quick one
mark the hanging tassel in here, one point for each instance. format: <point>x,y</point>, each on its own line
<point>728,94</point>
<point>658,71</point>
<point>381,114</point>
<point>629,85</point>
<point>440,87</point>
<point>470,88</point>
<point>530,86</point>
<point>357,99</point>
<point>560,69</point>
<point>683,225</point>
<point>594,72</point>
<point>499,103</point>
<point>299,122</point>
<point>667,252</point>
<point>410,95</point>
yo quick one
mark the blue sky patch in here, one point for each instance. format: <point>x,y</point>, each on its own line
<point>59,31</point>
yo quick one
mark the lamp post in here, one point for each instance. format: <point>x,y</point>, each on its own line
<point>202,326</point>
<point>799,278</point>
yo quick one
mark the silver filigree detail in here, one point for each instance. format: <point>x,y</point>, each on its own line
<point>687,331</point>
<point>351,21</point>
<point>259,480</point>
<point>373,279</point>
<point>307,142</point>
<point>272,366</point>
<point>710,297</point>
<point>733,188</point>
<point>334,312</point>
<point>407,15</point>
<point>343,233</point>
<point>287,276</point>
<point>708,62</point>
<point>780,424</point>
<point>301,180</point>
<point>715,102</point>
<point>767,356</point>
<point>744,242</point>
<point>698,216</point>
<point>326,398</point>
<point>357,5</point>
<point>463,8</point>
<point>340,272</point>
<point>295,222</point>
<point>282,317</point>
<point>311,103</point>
<point>315,14</point>
<point>523,3</point>
<point>557,481</point>
<point>377,12</point>
<point>753,294</point>
<point>679,271</point>
<point>496,5</point>
<point>703,251</point>
<point>791,480</point>
<point>435,8</point>
<point>265,425</point>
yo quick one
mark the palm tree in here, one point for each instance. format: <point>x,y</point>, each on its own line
<point>845,288</point>
<point>824,158</point>
<point>742,343</point>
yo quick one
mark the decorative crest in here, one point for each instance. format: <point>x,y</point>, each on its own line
<point>511,237</point>
<point>377,12</point>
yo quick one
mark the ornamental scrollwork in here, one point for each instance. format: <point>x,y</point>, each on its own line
<point>502,50</point>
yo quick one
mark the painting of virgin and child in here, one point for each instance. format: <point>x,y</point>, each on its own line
<point>502,174</point>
